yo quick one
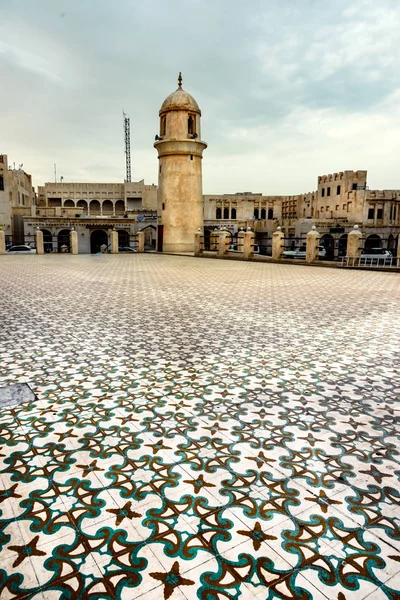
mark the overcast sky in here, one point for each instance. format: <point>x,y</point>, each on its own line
<point>289,90</point>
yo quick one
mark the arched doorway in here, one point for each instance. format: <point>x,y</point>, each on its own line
<point>342,245</point>
<point>63,243</point>
<point>94,207</point>
<point>373,241</point>
<point>328,243</point>
<point>123,238</point>
<point>98,237</point>
<point>108,207</point>
<point>83,205</point>
<point>69,204</point>
<point>47,240</point>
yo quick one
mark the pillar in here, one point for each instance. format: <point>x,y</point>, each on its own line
<point>240,240</point>
<point>214,236</point>
<point>277,244</point>
<point>398,246</point>
<point>354,242</point>
<point>198,243</point>
<point>140,237</point>
<point>223,242</point>
<point>114,241</point>
<point>73,241</point>
<point>312,245</point>
<point>39,241</point>
<point>248,244</point>
<point>2,242</point>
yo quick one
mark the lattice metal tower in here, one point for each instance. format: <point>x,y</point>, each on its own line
<point>127,131</point>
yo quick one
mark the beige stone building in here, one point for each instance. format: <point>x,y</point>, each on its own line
<point>17,199</point>
<point>94,210</point>
<point>340,201</point>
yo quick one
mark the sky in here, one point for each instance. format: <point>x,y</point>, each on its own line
<point>289,90</point>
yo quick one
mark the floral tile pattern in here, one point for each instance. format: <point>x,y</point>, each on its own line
<point>202,429</point>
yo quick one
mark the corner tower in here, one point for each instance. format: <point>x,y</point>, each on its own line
<point>180,151</point>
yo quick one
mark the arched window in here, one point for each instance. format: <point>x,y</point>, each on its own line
<point>218,213</point>
<point>263,213</point>
<point>256,213</point>
<point>270,213</point>
<point>162,126</point>
<point>226,212</point>
<point>233,213</point>
<point>191,124</point>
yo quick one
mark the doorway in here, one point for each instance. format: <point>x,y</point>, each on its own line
<point>98,237</point>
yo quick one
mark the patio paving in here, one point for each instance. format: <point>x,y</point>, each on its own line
<point>201,429</point>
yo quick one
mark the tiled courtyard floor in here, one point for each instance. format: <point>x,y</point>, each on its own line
<point>203,429</point>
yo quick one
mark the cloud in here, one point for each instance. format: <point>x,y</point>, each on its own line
<point>288,90</point>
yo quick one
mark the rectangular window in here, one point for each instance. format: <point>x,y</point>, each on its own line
<point>337,206</point>
<point>379,213</point>
<point>344,206</point>
<point>328,191</point>
<point>1,183</point>
<point>163,205</point>
<point>338,190</point>
<point>323,192</point>
<point>354,187</point>
<point>371,214</point>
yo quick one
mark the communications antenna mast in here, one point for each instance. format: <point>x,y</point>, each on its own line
<point>127,132</point>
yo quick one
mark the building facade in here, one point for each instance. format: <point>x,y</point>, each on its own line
<point>17,199</point>
<point>340,201</point>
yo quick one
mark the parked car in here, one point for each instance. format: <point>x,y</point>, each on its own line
<point>300,252</point>
<point>234,248</point>
<point>21,250</point>
<point>126,249</point>
<point>375,256</point>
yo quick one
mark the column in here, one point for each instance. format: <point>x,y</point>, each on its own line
<point>114,241</point>
<point>73,241</point>
<point>277,244</point>
<point>223,242</point>
<point>198,246</point>
<point>39,241</point>
<point>2,242</point>
<point>312,245</point>
<point>354,242</point>
<point>140,239</point>
<point>248,244</point>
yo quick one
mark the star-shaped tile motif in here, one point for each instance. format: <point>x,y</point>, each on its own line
<point>26,550</point>
<point>257,535</point>
<point>171,580</point>
<point>65,435</point>
<point>261,459</point>
<point>123,513</point>
<point>10,493</point>
<point>216,428</point>
<point>86,469</point>
<point>311,439</point>
<point>323,501</point>
<point>158,446</point>
<point>375,473</point>
<point>198,483</point>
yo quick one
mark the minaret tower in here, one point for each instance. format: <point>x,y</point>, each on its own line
<point>180,151</point>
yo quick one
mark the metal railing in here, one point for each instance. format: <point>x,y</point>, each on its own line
<point>363,261</point>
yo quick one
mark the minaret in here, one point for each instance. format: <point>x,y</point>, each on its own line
<point>180,151</point>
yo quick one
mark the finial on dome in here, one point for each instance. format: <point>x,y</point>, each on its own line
<point>180,80</point>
